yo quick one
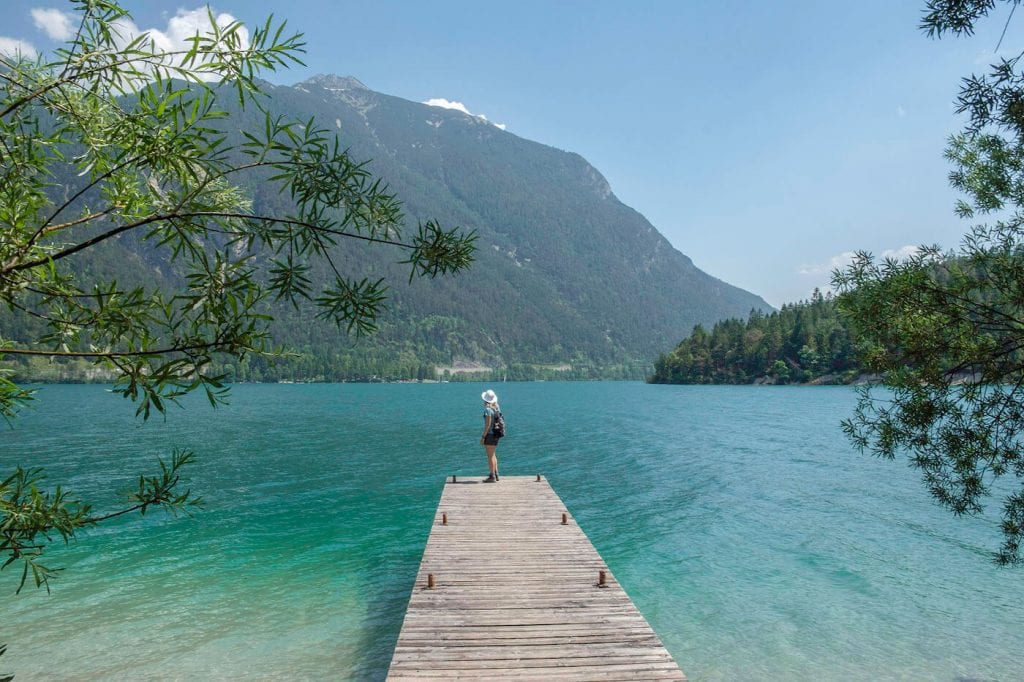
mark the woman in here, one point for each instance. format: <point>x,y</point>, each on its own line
<point>489,440</point>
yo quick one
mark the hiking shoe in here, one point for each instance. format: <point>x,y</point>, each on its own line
<point>496,478</point>
<point>490,479</point>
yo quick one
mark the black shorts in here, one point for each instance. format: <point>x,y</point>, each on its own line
<point>491,439</point>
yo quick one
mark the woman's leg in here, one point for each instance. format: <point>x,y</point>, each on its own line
<point>492,459</point>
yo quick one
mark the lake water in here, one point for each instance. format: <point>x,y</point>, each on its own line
<point>757,543</point>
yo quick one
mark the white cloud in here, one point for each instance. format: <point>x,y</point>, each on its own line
<point>846,257</point>
<point>901,253</point>
<point>188,23</point>
<point>459,106</point>
<point>53,22</point>
<point>987,57</point>
<point>180,28</point>
<point>839,261</point>
<point>175,37</point>
<point>445,104</point>
<point>13,47</point>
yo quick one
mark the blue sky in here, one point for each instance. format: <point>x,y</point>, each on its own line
<point>765,140</point>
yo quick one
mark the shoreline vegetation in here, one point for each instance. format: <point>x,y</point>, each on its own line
<point>803,343</point>
<point>37,370</point>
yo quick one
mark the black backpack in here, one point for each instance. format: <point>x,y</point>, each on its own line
<point>498,425</point>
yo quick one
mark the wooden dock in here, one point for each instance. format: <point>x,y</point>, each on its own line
<point>515,596</point>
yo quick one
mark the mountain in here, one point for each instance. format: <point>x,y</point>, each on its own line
<point>565,271</point>
<point>566,275</point>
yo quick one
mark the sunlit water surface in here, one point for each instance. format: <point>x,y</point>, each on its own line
<point>755,541</point>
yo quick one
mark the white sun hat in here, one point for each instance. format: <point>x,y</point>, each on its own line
<point>489,396</point>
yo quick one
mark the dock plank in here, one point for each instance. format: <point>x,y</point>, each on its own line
<point>515,596</point>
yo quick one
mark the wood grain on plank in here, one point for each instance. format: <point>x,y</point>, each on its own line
<point>515,596</point>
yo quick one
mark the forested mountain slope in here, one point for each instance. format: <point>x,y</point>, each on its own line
<point>565,273</point>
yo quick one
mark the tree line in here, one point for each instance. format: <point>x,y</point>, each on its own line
<point>803,342</point>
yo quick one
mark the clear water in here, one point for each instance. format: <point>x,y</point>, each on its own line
<point>755,541</point>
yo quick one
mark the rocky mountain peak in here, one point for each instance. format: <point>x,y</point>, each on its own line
<point>330,81</point>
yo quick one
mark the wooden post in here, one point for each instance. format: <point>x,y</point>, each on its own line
<point>430,581</point>
<point>538,478</point>
<point>444,518</point>
<point>565,519</point>
<point>453,478</point>
<point>602,579</point>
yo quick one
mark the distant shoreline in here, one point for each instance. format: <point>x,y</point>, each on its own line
<point>844,379</point>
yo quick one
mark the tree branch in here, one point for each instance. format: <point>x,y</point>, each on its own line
<point>194,214</point>
<point>113,354</point>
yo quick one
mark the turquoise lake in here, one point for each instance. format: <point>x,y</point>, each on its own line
<point>756,541</point>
